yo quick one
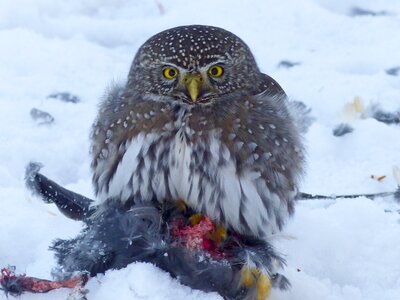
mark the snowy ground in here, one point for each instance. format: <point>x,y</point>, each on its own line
<point>344,249</point>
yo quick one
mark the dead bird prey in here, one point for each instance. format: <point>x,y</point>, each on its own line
<point>187,245</point>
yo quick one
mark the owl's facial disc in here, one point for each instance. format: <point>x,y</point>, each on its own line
<point>191,86</point>
<point>195,64</point>
<point>199,85</point>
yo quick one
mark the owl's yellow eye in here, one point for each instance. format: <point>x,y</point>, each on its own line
<point>170,72</point>
<point>216,71</point>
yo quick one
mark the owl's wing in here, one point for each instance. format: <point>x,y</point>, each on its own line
<point>301,115</point>
<point>271,86</point>
<point>299,111</point>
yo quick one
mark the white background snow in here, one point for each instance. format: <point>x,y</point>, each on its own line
<point>343,249</point>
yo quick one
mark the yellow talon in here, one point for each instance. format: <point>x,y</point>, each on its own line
<point>195,219</point>
<point>181,205</point>
<point>220,234</point>
<point>263,287</point>
<point>247,277</point>
<point>252,276</point>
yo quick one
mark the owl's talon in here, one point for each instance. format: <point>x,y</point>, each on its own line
<point>263,286</point>
<point>195,219</point>
<point>247,277</point>
<point>181,206</point>
<point>253,277</point>
<point>219,234</point>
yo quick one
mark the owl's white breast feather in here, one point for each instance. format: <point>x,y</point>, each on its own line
<point>217,191</point>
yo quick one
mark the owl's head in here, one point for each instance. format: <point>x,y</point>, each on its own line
<point>194,64</point>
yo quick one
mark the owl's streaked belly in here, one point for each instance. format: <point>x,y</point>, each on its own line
<point>169,168</point>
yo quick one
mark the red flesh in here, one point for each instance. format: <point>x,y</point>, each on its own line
<point>197,237</point>
<point>23,283</point>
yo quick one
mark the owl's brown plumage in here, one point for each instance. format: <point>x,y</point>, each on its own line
<point>197,121</point>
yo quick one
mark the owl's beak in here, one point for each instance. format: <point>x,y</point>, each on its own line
<point>193,83</point>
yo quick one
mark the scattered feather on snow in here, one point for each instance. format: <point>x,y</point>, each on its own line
<point>41,117</point>
<point>342,129</point>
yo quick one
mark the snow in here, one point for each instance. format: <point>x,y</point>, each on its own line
<point>335,249</point>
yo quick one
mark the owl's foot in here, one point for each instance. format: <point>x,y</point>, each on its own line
<point>195,219</point>
<point>181,206</point>
<point>218,235</point>
<point>252,277</point>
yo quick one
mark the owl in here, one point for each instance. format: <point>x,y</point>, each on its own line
<point>198,122</point>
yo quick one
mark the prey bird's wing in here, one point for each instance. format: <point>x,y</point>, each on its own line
<point>72,205</point>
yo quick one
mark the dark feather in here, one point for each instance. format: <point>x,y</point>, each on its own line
<point>72,205</point>
<point>114,237</point>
